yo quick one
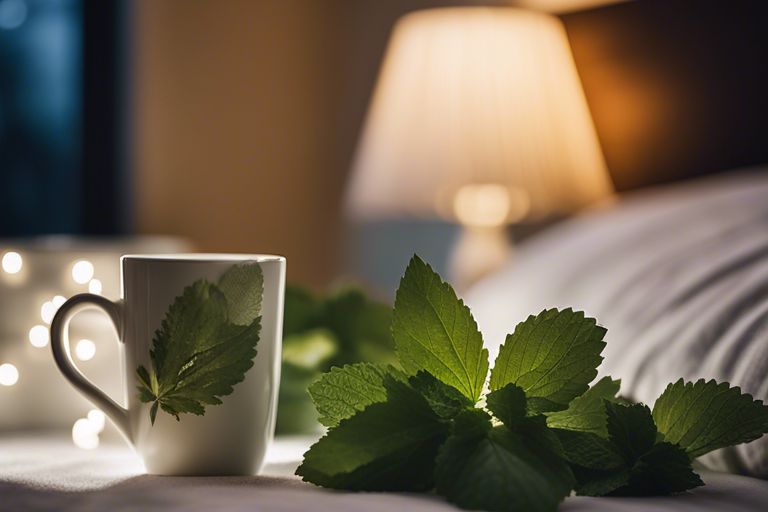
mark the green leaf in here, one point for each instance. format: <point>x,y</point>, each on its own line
<point>302,310</point>
<point>553,356</point>
<point>664,469</point>
<point>468,429</point>
<point>146,387</point>
<point>434,331</point>
<point>631,462</point>
<point>508,404</point>
<point>197,355</point>
<point>589,450</point>
<point>362,326</point>
<point>321,332</point>
<point>631,429</point>
<point>497,469</point>
<point>296,412</point>
<point>342,392</point>
<point>389,446</point>
<point>310,348</point>
<point>243,286</point>
<point>592,482</point>
<point>445,400</point>
<point>705,416</point>
<point>586,413</point>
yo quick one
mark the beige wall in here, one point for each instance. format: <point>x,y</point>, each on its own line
<point>233,138</point>
<point>246,116</point>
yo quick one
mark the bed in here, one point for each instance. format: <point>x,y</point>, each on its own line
<point>46,472</point>
<point>679,275</point>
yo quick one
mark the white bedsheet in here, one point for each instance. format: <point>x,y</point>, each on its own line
<point>47,473</point>
<point>678,275</point>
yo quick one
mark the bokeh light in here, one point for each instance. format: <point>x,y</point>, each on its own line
<point>82,271</point>
<point>12,262</point>
<point>48,311</point>
<point>13,13</point>
<point>85,350</point>
<point>9,374</point>
<point>39,336</point>
<point>94,286</point>
<point>85,434</point>
<point>98,419</point>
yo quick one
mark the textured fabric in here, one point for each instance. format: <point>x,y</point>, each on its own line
<point>47,473</point>
<point>678,275</point>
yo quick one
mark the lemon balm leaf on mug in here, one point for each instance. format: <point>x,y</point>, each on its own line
<point>199,353</point>
<point>243,286</point>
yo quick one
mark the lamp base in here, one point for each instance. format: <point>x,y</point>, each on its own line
<point>478,252</point>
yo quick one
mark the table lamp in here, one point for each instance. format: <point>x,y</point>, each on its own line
<point>478,117</point>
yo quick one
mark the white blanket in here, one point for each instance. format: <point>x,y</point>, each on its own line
<point>678,275</point>
<point>47,473</point>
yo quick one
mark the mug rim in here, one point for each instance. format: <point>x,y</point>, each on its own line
<point>202,257</point>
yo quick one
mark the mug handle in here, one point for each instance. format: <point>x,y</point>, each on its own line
<point>63,356</point>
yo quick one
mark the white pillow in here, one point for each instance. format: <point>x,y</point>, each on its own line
<point>678,275</point>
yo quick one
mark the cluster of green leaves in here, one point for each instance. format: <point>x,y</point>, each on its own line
<point>205,344</point>
<point>537,434</point>
<point>627,449</point>
<point>320,332</point>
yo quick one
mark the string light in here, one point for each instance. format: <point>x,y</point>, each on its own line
<point>85,434</point>
<point>12,262</point>
<point>85,431</point>
<point>58,301</point>
<point>85,350</point>
<point>48,311</point>
<point>82,271</point>
<point>98,419</point>
<point>39,336</point>
<point>9,375</point>
<point>94,286</point>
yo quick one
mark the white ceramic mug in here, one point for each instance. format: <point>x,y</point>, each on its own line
<point>231,438</point>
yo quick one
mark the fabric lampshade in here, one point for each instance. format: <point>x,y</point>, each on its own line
<point>473,102</point>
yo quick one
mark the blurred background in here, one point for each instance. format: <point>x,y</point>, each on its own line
<point>325,131</point>
<point>234,124</point>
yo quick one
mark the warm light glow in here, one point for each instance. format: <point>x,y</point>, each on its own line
<point>85,350</point>
<point>82,271</point>
<point>94,286</point>
<point>39,336</point>
<point>85,435</point>
<point>489,205</point>
<point>48,311</point>
<point>286,450</point>
<point>12,262</point>
<point>9,375</point>
<point>477,95</point>
<point>97,419</point>
<point>49,308</point>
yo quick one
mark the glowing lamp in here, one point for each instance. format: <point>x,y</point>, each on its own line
<point>478,117</point>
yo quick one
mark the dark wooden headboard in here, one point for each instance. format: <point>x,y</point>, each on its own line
<point>677,88</point>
